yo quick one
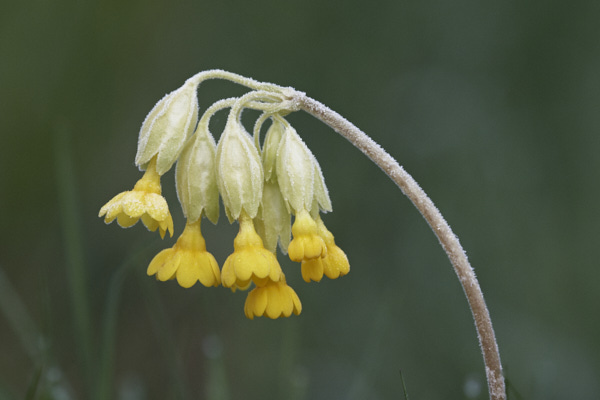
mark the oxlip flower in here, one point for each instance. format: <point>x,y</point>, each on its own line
<point>307,244</point>
<point>273,300</point>
<point>334,264</point>
<point>250,261</point>
<point>187,261</point>
<point>144,202</point>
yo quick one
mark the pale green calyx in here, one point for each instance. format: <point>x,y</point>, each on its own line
<point>196,177</point>
<point>239,171</point>
<point>295,171</point>
<point>273,222</point>
<point>167,127</point>
<point>270,148</point>
<point>320,190</point>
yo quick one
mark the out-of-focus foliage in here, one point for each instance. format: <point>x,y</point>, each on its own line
<point>492,106</point>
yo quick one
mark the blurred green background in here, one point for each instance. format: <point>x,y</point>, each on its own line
<point>493,107</point>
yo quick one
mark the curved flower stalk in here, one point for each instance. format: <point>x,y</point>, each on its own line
<point>263,187</point>
<point>439,226</point>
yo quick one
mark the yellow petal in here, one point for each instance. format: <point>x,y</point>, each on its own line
<point>125,221</point>
<point>167,272</point>
<point>196,267</point>
<point>166,225</point>
<point>209,273</point>
<point>113,211</point>
<point>256,302</point>
<point>278,303</point>
<point>296,302</point>
<point>313,269</point>
<point>227,274</point>
<point>156,206</point>
<point>335,263</point>
<point>151,224</point>
<point>274,300</point>
<point>133,204</point>
<point>105,208</point>
<point>159,261</point>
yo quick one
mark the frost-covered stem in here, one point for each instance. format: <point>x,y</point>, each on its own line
<point>230,76</point>
<point>438,224</point>
<point>225,103</point>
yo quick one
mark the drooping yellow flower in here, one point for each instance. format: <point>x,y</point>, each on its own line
<point>144,201</point>
<point>307,244</point>
<point>334,264</point>
<point>274,300</point>
<point>250,261</point>
<point>187,261</point>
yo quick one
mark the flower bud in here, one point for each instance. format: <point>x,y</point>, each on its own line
<point>239,171</point>
<point>295,171</point>
<point>167,127</point>
<point>196,177</point>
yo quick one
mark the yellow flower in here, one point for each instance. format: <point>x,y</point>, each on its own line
<point>144,201</point>
<point>334,264</point>
<point>307,244</point>
<point>274,300</point>
<point>187,260</point>
<point>250,261</point>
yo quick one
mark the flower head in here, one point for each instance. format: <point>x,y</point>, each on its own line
<point>261,186</point>
<point>250,261</point>
<point>187,261</point>
<point>274,300</point>
<point>144,201</point>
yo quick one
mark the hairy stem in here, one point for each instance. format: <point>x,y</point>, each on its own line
<point>438,224</point>
<point>230,76</point>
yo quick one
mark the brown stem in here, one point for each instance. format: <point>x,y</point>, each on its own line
<point>438,224</point>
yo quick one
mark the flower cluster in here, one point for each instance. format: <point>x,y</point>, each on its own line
<point>261,187</point>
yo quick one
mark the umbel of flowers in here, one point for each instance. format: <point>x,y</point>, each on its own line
<point>261,186</point>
